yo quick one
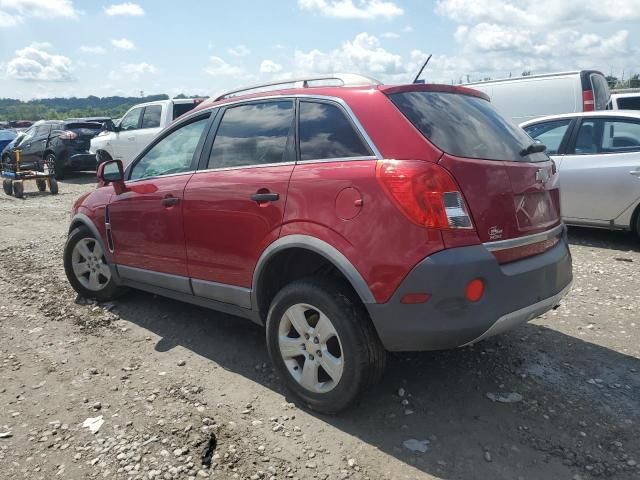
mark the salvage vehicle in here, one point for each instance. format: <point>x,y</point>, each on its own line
<point>531,96</point>
<point>6,137</point>
<point>348,217</point>
<point>134,131</point>
<point>598,159</point>
<point>61,144</point>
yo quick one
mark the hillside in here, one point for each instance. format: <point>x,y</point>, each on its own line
<point>61,108</point>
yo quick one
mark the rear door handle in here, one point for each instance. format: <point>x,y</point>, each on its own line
<point>265,197</point>
<point>169,201</point>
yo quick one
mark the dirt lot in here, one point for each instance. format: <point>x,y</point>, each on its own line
<point>166,376</point>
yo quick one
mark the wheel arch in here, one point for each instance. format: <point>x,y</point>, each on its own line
<point>81,220</point>
<point>635,223</point>
<point>318,253</point>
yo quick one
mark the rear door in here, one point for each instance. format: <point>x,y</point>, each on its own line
<point>511,193</point>
<point>149,127</point>
<point>601,176</point>
<point>233,207</point>
<point>146,220</point>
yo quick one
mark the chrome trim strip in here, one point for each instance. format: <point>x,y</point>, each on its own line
<point>190,172</point>
<point>262,165</point>
<point>513,319</point>
<point>340,159</point>
<point>522,241</point>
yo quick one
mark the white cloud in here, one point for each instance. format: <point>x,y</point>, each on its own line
<point>13,12</point>
<point>496,38</point>
<point>390,35</point>
<point>128,9</point>
<point>239,51</point>
<point>123,43</point>
<point>139,68</point>
<point>347,9</point>
<point>361,55</point>
<point>93,49</point>
<point>217,66</point>
<point>269,66</point>
<point>35,63</point>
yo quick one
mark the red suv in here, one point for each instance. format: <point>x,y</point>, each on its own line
<point>349,217</point>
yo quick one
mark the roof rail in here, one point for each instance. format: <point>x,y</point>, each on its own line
<point>347,79</point>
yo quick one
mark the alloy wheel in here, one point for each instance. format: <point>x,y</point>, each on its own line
<point>90,265</point>
<point>310,348</point>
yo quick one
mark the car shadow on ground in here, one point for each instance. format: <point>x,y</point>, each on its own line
<point>610,239</point>
<point>446,392</point>
<point>80,178</point>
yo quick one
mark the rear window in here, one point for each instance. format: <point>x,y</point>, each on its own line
<point>629,103</point>
<point>83,125</point>
<point>601,94</point>
<point>465,126</point>
<point>182,108</point>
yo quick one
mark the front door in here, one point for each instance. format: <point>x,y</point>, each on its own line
<point>234,208</point>
<point>146,219</point>
<point>599,178</point>
<point>125,143</point>
<point>33,146</point>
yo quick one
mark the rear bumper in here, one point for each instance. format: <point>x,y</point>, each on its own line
<point>514,294</point>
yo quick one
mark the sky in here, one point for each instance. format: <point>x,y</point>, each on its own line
<point>66,48</point>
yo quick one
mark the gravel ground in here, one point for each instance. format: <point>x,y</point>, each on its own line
<point>558,398</point>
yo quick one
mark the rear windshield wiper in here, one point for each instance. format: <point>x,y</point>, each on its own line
<point>536,147</point>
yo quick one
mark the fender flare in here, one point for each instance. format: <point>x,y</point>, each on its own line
<point>320,247</point>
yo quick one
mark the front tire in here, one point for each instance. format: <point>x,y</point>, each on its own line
<point>87,267</point>
<point>18,189</point>
<point>7,186</point>
<point>322,343</point>
<point>53,186</point>
<point>41,184</point>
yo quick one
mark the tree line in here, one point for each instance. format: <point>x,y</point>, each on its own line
<point>61,108</point>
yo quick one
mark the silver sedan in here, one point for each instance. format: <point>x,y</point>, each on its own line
<point>598,158</point>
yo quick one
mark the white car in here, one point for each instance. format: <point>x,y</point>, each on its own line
<point>598,158</point>
<point>626,101</point>
<point>137,128</point>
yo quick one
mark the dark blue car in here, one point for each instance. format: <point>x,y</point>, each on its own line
<point>6,137</point>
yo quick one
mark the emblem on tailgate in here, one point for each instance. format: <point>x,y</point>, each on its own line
<point>542,175</point>
<point>495,233</point>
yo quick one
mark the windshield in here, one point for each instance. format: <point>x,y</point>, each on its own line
<point>465,126</point>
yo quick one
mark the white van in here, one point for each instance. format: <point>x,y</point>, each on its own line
<point>524,98</point>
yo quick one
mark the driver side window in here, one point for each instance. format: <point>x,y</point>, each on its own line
<point>172,154</point>
<point>131,120</point>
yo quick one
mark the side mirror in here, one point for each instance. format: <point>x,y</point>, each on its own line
<point>112,172</point>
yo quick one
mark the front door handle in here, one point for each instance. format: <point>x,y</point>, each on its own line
<point>169,201</point>
<point>265,197</point>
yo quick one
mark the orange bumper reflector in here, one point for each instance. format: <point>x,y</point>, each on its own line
<point>415,298</point>
<point>474,290</point>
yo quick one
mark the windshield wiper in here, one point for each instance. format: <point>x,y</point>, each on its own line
<point>536,147</point>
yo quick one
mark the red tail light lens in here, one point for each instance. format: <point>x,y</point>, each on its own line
<point>68,135</point>
<point>425,192</point>
<point>588,105</point>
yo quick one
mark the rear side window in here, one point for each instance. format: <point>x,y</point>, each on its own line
<point>325,132</point>
<point>599,135</point>
<point>180,109</point>
<point>465,126</point>
<point>629,103</point>
<point>549,133</point>
<point>151,116</point>
<point>254,134</point>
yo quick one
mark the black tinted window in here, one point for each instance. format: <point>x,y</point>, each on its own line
<point>325,132</point>
<point>629,103</point>
<point>465,126</point>
<point>253,134</point>
<point>151,116</point>
<point>182,108</point>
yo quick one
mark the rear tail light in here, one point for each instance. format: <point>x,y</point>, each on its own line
<point>68,135</point>
<point>426,193</point>
<point>588,105</point>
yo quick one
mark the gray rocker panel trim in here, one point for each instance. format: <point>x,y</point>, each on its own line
<point>222,292</point>
<point>317,246</point>
<point>167,281</point>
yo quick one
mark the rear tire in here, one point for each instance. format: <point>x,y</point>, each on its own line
<point>7,186</point>
<point>638,223</point>
<point>41,184</point>
<point>87,267</point>
<point>56,164</point>
<point>18,189</point>
<point>342,356</point>
<point>53,185</point>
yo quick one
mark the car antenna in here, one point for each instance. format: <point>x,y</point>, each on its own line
<point>416,80</point>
